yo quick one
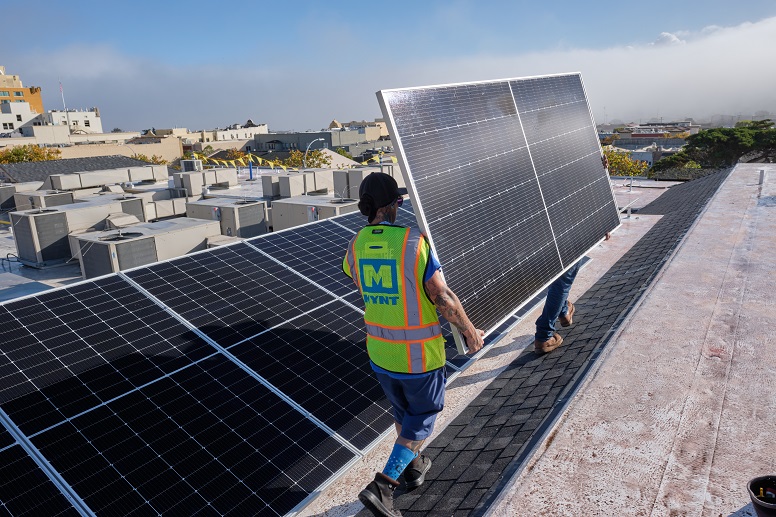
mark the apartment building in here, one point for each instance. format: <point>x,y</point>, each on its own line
<point>12,90</point>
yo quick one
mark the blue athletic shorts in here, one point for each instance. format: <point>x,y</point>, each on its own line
<point>416,401</point>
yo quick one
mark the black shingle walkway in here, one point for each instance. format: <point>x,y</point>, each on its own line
<point>480,450</point>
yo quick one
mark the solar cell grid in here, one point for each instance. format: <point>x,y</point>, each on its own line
<point>319,360</point>
<point>315,251</point>
<point>75,348</point>
<point>25,489</point>
<point>230,293</point>
<point>208,438</point>
<point>352,221</point>
<point>555,122</point>
<point>541,92</point>
<point>499,170</point>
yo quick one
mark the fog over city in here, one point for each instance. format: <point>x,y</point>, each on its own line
<point>717,70</point>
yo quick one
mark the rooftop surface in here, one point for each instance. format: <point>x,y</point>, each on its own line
<point>39,171</point>
<point>660,401</point>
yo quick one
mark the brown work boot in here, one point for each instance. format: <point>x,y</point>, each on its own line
<point>415,473</point>
<point>542,347</point>
<point>567,319</point>
<point>377,497</point>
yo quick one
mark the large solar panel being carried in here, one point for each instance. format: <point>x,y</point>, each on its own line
<point>507,182</point>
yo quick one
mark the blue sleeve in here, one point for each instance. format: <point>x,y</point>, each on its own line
<point>433,265</point>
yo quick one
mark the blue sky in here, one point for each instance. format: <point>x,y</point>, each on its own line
<point>300,64</point>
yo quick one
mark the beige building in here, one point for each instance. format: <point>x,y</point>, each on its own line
<point>12,90</point>
<point>168,148</point>
<point>378,123</point>
<point>248,131</point>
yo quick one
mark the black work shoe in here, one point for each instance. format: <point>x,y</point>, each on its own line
<point>415,473</point>
<point>542,347</point>
<point>377,497</point>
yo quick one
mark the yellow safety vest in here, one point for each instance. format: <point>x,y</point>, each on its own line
<point>388,264</point>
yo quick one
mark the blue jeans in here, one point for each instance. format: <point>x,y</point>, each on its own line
<point>557,294</point>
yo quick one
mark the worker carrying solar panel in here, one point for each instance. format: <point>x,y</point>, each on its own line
<point>399,278</point>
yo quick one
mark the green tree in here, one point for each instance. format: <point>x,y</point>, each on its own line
<point>724,146</point>
<point>621,163</point>
<point>156,160</point>
<point>342,152</point>
<point>315,159</point>
<point>675,161</point>
<point>755,124</point>
<point>29,153</point>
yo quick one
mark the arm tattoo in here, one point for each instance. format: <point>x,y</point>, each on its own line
<point>450,308</point>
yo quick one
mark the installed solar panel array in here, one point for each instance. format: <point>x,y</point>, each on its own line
<point>230,381</point>
<point>507,181</point>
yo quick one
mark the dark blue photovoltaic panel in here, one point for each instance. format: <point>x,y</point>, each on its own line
<point>507,179</point>
<point>69,350</point>
<point>230,293</point>
<point>320,361</point>
<point>6,440</point>
<point>353,221</point>
<point>315,251</point>
<point>207,439</point>
<point>26,491</point>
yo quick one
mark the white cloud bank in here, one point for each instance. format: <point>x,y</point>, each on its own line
<point>716,70</point>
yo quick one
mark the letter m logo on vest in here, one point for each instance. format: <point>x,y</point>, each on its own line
<point>378,276</point>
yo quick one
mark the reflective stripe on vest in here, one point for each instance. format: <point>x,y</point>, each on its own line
<point>403,332</point>
<point>414,352</point>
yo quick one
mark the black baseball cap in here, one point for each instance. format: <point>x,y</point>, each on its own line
<point>376,191</point>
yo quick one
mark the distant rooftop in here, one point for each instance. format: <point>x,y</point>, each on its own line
<point>39,171</point>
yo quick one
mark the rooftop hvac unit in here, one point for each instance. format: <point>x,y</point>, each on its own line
<point>194,180</point>
<point>132,205</point>
<point>270,185</point>
<point>191,165</point>
<point>347,181</point>
<point>107,252</point>
<point>294,211</point>
<point>238,218</point>
<point>41,237</point>
<point>116,251</point>
<point>42,199</point>
<point>7,201</point>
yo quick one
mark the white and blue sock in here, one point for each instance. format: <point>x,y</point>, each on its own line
<point>398,460</point>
